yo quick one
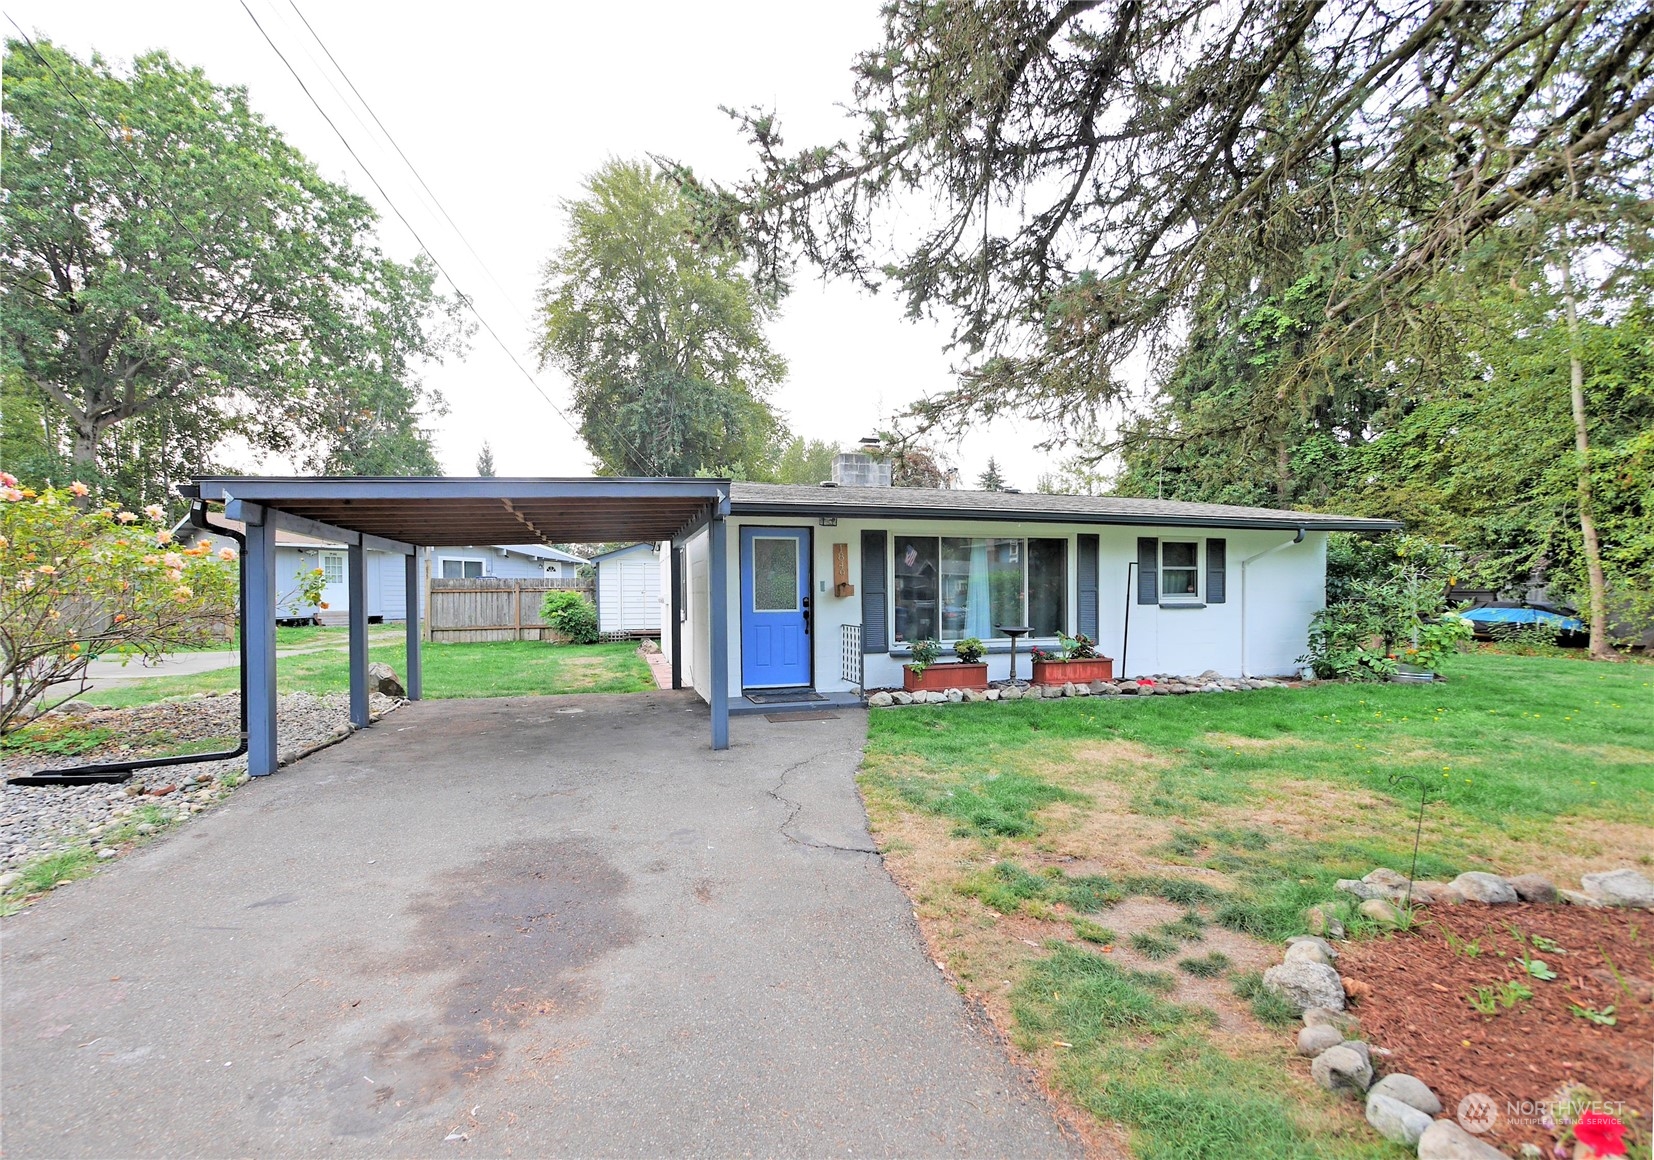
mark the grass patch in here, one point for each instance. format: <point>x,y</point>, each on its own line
<point>45,872</point>
<point>1092,932</point>
<point>1084,997</point>
<point>1270,1007</point>
<point>997,805</point>
<point>1208,966</point>
<point>1190,928</point>
<point>1153,946</point>
<point>491,669</point>
<point>55,736</point>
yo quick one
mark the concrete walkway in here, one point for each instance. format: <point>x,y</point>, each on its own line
<point>538,926</point>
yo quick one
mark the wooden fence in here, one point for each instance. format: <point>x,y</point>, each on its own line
<point>491,608</point>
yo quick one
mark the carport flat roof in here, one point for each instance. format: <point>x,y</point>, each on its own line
<point>449,512</point>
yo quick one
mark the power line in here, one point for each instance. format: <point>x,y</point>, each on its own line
<point>405,159</point>
<point>465,299</point>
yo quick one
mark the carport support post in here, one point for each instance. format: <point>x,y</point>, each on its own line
<point>415,663</point>
<point>677,616</point>
<point>718,600</point>
<point>258,642</point>
<point>358,636</point>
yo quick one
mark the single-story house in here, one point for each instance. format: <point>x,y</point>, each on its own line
<point>783,587</point>
<point>511,561</point>
<point>629,589</point>
<point>836,583</point>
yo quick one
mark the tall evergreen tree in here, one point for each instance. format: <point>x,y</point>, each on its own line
<point>485,460</point>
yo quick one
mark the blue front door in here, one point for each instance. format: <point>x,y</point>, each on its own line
<point>775,607</point>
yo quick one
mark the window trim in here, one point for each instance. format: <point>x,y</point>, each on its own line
<point>480,561</point>
<point>325,557</point>
<point>1181,599</point>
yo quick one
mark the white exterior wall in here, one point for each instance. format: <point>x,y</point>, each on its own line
<point>1280,590</point>
<point>628,591</point>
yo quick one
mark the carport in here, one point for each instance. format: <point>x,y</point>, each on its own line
<point>406,515</point>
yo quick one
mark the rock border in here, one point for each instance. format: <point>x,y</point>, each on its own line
<point>1401,1107</point>
<point>1161,684</point>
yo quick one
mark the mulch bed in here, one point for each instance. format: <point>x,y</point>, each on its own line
<point>1419,1011</point>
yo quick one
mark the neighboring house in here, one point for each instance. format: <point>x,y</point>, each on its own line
<point>831,585</point>
<point>512,561</point>
<point>386,585</point>
<point>629,589</point>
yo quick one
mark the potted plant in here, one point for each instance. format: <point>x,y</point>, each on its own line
<point>1075,660</point>
<point>924,674</point>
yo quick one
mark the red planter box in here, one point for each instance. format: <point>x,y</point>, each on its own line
<point>1062,672</point>
<point>941,677</point>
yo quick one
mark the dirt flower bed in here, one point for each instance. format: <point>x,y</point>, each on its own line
<point>1531,1035</point>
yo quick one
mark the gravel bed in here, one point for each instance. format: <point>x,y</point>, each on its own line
<point>40,820</point>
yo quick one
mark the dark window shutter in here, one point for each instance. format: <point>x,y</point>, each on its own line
<point>1217,561</point>
<point>875,594</point>
<point>1148,570</point>
<point>1085,573</point>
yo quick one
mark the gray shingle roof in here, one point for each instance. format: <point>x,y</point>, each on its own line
<point>937,503</point>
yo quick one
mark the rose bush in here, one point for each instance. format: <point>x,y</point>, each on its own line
<point>78,581</point>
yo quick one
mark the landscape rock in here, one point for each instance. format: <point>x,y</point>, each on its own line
<point>954,695</point>
<point>1068,688</point>
<point>1363,890</point>
<point>881,700</point>
<point>1130,688</point>
<point>1622,887</point>
<point>1326,1017</point>
<point>902,698</point>
<point>1445,1140</point>
<point>1307,952</point>
<point>1384,876</point>
<point>1479,886</point>
<point>1381,912</point>
<point>992,694</point>
<point>1312,1041</point>
<point>1306,985</point>
<point>1103,688</point>
<point>1435,893</point>
<point>976,694</point>
<point>1338,1069</point>
<point>1080,690</point>
<point>1326,947</point>
<point>1359,1046</point>
<point>1395,1120</point>
<point>1318,922</point>
<point>1010,693</point>
<point>1413,1092</point>
<point>1533,888</point>
<point>1578,898</point>
<point>382,679</point>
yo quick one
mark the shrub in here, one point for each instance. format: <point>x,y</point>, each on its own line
<point>925,653</point>
<point>969,650</point>
<point>571,614</point>
<point>1385,605</point>
<point>78,580</point>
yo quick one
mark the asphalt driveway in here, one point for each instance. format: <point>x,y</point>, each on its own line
<point>538,926</point>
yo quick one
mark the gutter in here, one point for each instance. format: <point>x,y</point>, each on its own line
<point>115,772</point>
<point>994,515</point>
<point>1298,539</point>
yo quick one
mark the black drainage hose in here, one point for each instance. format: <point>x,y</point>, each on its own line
<point>115,772</point>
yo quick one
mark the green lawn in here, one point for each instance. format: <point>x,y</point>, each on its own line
<point>1055,823</point>
<point>494,669</point>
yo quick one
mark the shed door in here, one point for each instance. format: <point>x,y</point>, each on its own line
<point>775,608</point>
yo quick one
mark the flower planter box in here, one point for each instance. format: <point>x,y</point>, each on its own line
<point>1062,672</point>
<point>939,677</point>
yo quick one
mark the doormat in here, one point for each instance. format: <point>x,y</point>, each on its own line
<point>784,698</point>
<point>802,715</point>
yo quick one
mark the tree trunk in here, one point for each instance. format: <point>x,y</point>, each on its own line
<point>1600,649</point>
<point>84,447</point>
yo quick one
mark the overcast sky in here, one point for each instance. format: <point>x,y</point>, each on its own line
<point>505,108</point>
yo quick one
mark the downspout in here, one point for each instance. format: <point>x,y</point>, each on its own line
<point>115,772</point>
<point>1298,539</point>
